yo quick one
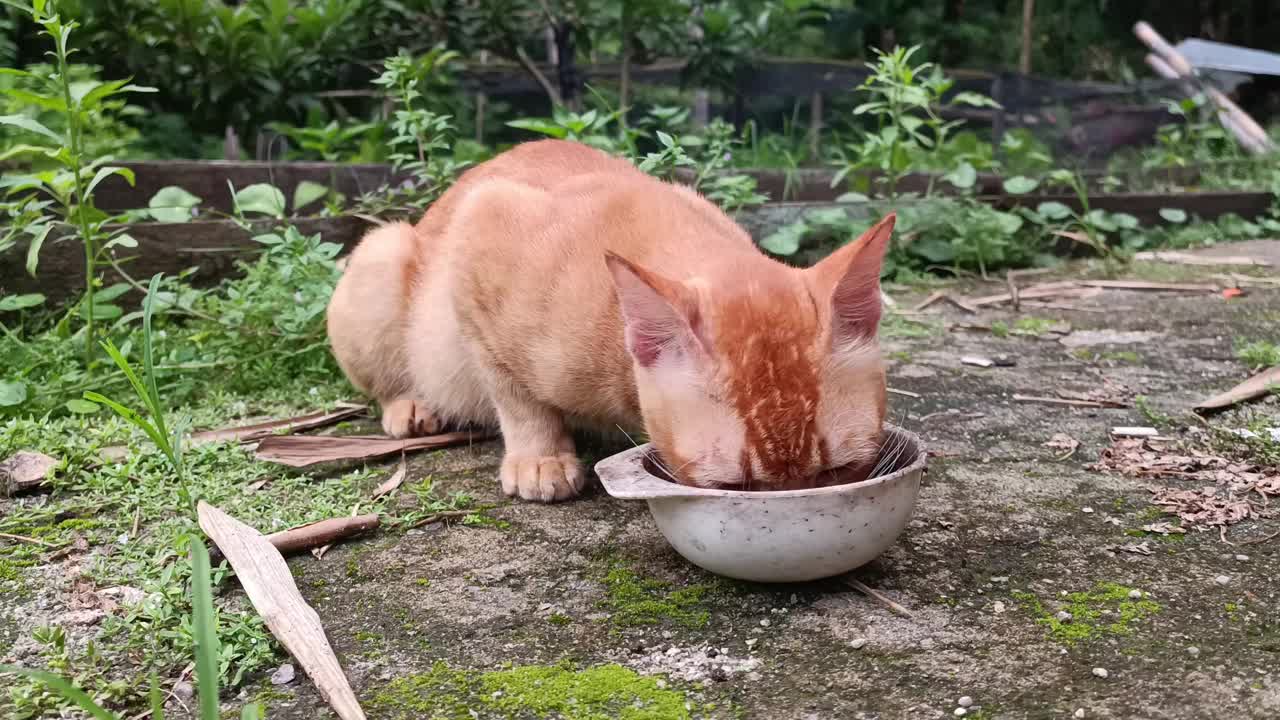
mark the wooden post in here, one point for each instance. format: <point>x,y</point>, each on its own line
<point>1247,131</point>
<point>701,108</point>
<point>482,101</point>
<point>815,125</point>
<point>624,79</point>
<point>1028,14</point>
<point>549,38</point>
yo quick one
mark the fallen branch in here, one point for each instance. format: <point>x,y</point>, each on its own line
<point>875,595</point>
<point>904,393</point>
<point>943,296</point>
<point>306,450</point>
<point>249,433</point>
<point>265,577</point>
<point>322,532</point>
<point>1254,387</point>
<point>1065,289</point>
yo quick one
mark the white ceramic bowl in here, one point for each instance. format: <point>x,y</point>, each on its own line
<point>782,536</point>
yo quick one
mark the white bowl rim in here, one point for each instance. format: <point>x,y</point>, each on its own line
<point>659,488</point>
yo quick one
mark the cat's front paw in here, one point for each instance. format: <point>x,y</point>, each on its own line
<point>544,478</point>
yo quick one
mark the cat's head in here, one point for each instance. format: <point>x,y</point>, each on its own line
<point>762,377</point>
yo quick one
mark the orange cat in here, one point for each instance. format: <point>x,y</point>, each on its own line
<point>555,285</point>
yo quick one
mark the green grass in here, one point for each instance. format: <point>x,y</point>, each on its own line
<point>1258,353</point>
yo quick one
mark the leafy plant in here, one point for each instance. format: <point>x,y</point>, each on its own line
<point>421,134</point>
<point>168,440</point>
<point>1089,226</point>
<point>904,101</point>
<point>1259,354</point>
<point>205,625</point>
<point>69,189</point>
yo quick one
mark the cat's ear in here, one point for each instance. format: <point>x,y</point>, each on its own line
<point>850,279</point>
<point>660,314</point>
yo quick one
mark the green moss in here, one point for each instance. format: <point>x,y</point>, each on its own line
<point>422,582</point>
<point>530,691</point>
<point>1032,326</point>
<point>368,637</point>
<point>1107,609</point>
<point>559,619</point>
<point>634,600</point>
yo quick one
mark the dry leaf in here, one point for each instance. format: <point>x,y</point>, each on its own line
<point>1164,528</point>
<point>26,470</point>
<point>1254,387</point>
<point>265,576</point>
<point>249,433</point>
<point>304,450</point>
<point>393,482</point>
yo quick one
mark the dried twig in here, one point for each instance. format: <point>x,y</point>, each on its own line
<point>265,576</point>
<point>875,595</point>
<point>323,532</point>
<point>904,393</point>
<point>1150,286</point>
<point>25,539</point>
<point>1013,291</point>
<point>1182,258</point>
<point>443,514</point>
<point>1064,401</point>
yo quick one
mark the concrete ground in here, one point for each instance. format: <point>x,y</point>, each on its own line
<point>451,621</point>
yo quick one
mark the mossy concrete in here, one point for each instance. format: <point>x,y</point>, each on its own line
<point>573,599</point>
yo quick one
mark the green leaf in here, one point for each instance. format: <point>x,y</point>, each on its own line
<point>205,625</point>
<point>963,177</point>
<point>26,123</point>
<point>106,172</point>
<point>172,204</point>
<point>827,217</point>
<point>1174,215</point>
<point>107,89</point>
<point>252,711</point>
<point>1008,222</point>
<point>56,104</point>
<point>974,99</point>
<point>545,127</point>
<point>666,140</point>
<point>853,197</point>
<point>82,407</point>
<point>12,392</point>
<point>1020,185</point>
<point>935,250</point>
<point>306,193</point>
<point>261,198</point>
<point>785,240</point>
<point>9,303</point>
<point>121,240</point>
<point>38,235</point>
<point>1054,210</point>
<point>1102,220</point>
<point>65,689</point>
<point>1125,221</point>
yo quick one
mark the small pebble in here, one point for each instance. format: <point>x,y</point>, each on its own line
<point>765,623</point>
<point>1193,651</point>
<point>1222,579</point>
<point>965,702</point>
<point>1101,672</point>
<point>1063,616</point>
<point>752,641</point>
<point>184,690</point>
<point>1078,713</point>
<point>1135,594</point>
<point>961,712</point>
<point>1086,510</point>
<point>283,675</point>
<point>1242,558</point>
<point>858,644</point>
<point>998,607</point>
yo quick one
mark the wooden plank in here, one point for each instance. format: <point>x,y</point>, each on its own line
<point>215,246</point>
<point>207,179</point>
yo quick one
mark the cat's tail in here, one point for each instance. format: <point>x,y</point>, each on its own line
<point>366,315</point>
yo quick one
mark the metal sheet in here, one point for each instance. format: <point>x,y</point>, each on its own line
<point>1206,54</point>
